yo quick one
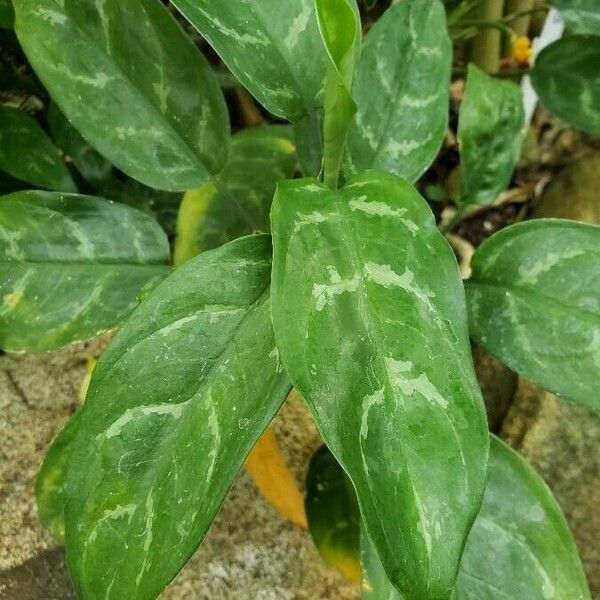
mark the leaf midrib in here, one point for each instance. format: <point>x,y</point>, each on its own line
<point>152,476</point>
<point>375,338</point>
<point>582,313</point>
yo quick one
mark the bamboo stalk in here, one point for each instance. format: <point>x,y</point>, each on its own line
<point>485,48</point>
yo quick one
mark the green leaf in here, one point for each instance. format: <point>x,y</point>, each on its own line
<point>520,545</point>
<point>340,27</point>
<point>93,166</point>
<point>308,135</point>
<point>581,16</point>
<point>135,86</point>
<point>28,154</point>
<point>333,514</point>
<point>62,278</point>
<point>49,486</point>
<point>378,346</point>
<point>534,302</point>
<point>162,206</point>
<point>7,14</point>
<point>238,202</point>
<point>272,46</point>
<point>567,80</point>
<point>489,136</point>
<point>401,89</point>
<point>174,406</point>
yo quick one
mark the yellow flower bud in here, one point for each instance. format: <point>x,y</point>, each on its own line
<point>522,50</point>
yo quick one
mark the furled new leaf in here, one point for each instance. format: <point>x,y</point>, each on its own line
<point>534,302</point>
<point>272,46</point>
<point>239,200</point>
<point>378,346</point>
<point>136,87</point>
<point>520,545</point>
<point>28,154</point>
<point>49,486</point>
<point>581,16</point>
<point>401,89</point>
<point>567,78</point>
<point>93,166</point>
<point>340,27</point>
<point>62,278</point>
<point>174,406</point>
<point>489,136</point>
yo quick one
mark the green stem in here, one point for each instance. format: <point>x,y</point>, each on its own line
<point>523,13</point>
<point>473,28</point>
<point>339,110</point>
<point>462,10</point>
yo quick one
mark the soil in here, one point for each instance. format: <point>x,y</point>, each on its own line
<point>250,552</point>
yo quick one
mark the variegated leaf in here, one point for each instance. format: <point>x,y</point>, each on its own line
<point>489,136</point>
<point>49,486</point>
<point>378,346</point>
<point>72,266</point>
<point>130,80</point>
<point>175,404</point>
<point>401,89</point>
<point>93,167</point>
<point>534,301</point>
<point>272,46</point>
<point>28,154</point>
<point>238,201</point>
<point>567,78</point>
<point>581,16</point>
<point>520,545</point>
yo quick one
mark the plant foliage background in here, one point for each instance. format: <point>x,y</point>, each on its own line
<point>147,149</point>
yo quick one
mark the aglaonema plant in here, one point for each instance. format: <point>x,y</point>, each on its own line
<point>355,299</point>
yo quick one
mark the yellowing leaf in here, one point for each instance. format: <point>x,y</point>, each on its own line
<point>268,470</point>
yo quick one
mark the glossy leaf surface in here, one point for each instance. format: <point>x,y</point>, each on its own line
<point>567,78</point>
<point>489,136</point>
<point>333,514</point>
<point>401,89</point>
<point>92,165</point>
<point>379,348</point>
<point>49,486</point>
<point>340,27</point>
<point>272,46</point>
<point>519,547</point>
<point>581,16</point>
<point>62,278</point>
<point>534,302</point>
<point>132,83</point>
<point>174,406</point>
<point>238,202</point>
<point>28,154</point>
<point>162,206</point>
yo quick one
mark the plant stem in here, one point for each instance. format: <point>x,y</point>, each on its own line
<point>462,10</point>
<point>461,213</point>
<point>485,52</point>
